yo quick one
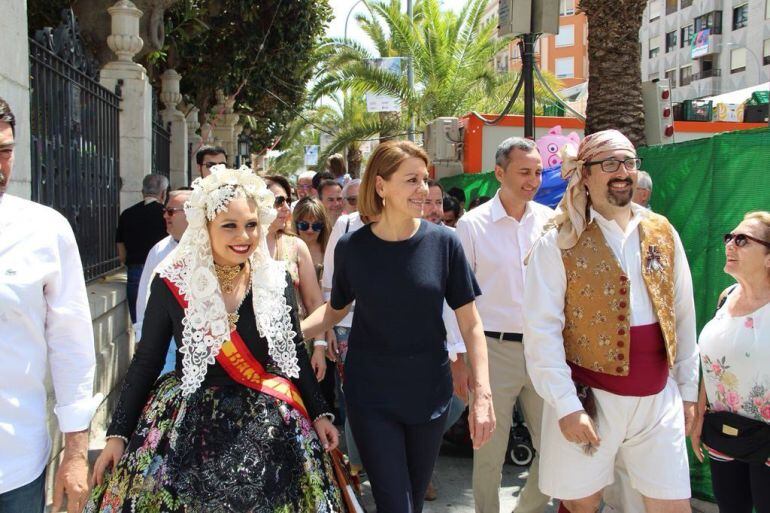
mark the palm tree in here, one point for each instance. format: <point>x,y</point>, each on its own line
<point>614,70</point>
<point>451,52</point>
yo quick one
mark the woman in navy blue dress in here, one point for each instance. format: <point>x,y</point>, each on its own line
<point>398,383</point>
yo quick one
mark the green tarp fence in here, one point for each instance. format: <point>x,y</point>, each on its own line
<point>704,187</point>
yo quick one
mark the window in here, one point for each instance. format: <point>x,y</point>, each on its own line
<point>767,9</point>
<point>670,6</point>
<point>655,9</point>
<point>687,33</point>
<point>565,67</point>
<point>671,41</point>
<point>685,75</point>
<point>566,7</point>
<point>566,35</point>
<point>685,3</point>
<point>712,20</point>
<point>671,77</point>
<point>766,53</point>
<point>740,16</point>
<point>737,60</point>
<point>654,47</point>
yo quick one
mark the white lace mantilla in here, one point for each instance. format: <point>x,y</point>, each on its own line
<point>190,267</point>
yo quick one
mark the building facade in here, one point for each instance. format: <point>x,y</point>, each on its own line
<point>706,47</point>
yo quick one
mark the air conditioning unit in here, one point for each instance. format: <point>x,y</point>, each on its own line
<point>444,139</point>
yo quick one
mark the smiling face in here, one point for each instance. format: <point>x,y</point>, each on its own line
<point>610,190</point>
<point>283,210</point>
<point>309,235</point>
<point>751,261</point>
<point>176,220</point>
<point>234,234</point>
<point>331,197</point>
<point>305,188</point>
<point>6,154</point>
<point>522,177</point>
<point>405,191</point>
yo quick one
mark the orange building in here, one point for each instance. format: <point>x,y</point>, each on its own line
<point>564,55</point>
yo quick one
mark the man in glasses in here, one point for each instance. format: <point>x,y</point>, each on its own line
<point>209,156</point>
<point>330,194</point>
<point>643,190</point>
<point>176,224</point>
<point>350,195</point>
<point>609,337</point>
<point>140,227</point>
<point>305,185</point>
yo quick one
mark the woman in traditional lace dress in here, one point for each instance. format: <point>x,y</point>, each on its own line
<point>240,425</point>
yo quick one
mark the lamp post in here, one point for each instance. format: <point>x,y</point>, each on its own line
<point>347,18</point>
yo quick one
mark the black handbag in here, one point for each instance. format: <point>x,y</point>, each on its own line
<point>736,436</point>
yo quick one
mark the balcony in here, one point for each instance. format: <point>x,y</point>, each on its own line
<point>707,82</point>
<point>709,73</point>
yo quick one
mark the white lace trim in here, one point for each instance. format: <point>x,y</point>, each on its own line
<point>190,267</point>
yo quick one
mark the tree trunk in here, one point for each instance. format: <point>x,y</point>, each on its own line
<point>355,157</point>
<point>614,69</point>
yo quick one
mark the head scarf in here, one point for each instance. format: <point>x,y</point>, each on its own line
<point>191,268</point>
<point>573,208</point>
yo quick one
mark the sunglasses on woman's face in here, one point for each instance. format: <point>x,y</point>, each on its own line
<point>741,239</point>
<point>280,200</point>
<point>304,226</point>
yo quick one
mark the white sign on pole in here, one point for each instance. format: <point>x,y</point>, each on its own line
<point>383,102</point>
<point>311,155</point>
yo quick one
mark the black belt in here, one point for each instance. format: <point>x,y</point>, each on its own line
<point>508,337</point>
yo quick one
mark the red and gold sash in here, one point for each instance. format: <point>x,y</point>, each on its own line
<point>241,365</point>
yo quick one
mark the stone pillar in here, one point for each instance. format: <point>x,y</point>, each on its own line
<point>171,97</point>
<point>194,141</point>
<point>136,105</point>
<point>14,88</point>
<point>224,120</point>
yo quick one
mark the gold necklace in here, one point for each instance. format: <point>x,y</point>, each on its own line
<point>226,275</point>
<point>233,317</point>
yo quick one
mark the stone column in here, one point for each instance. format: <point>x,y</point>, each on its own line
<point>136,106</point>
<point>14,88</point>
<point>171,97</point>
<point>194,141</point>
<point>224,119</point>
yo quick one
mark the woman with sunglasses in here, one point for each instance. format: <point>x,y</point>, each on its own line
<point>313,227</point>
<point>283,244</point>
<point>735,391</point>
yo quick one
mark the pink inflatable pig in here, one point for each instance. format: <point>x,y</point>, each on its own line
<point>550,144</point>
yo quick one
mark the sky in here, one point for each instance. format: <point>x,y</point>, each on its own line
<point>342,8</point>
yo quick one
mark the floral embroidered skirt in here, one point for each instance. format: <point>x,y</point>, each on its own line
<point>223,449</point>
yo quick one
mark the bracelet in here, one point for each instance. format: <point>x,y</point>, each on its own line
<point>320,343</point>
<point>125,440</point>
<point>329,416</point>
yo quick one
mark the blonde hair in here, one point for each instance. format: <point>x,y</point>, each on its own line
<point>764,218</point>
<point>385,160</point>
<point>313,209</point>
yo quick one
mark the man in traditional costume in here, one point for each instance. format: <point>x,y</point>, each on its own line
<point>609,337</point>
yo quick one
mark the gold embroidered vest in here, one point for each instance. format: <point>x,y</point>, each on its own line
<point>597,303</point>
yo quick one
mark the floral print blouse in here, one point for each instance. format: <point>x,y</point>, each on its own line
<point>735,352</point>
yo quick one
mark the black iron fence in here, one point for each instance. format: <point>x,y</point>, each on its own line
<point>161,142</point>
<point>74,142</point>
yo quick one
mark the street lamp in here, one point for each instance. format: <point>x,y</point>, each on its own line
<point>244,149</point>
<point>347,18</point>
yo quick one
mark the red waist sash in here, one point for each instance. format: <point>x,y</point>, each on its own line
<point>236,359</point>
<point>647,361</point>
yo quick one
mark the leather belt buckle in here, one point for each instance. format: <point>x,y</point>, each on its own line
<point>504,337</point>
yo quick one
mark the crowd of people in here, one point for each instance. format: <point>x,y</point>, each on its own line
<point>270,316</point>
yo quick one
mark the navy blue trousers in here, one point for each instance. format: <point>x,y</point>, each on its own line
<point>398,457</point>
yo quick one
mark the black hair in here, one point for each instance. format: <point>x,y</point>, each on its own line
<point>282,182</point>
<point>475,202</point>
<point>436,183</point>
<point>458,194</point>
<point>320,177</point>
<point>451,204</point>
<point>6,115</point>
<point>325,184</point>
<point>208,150</point>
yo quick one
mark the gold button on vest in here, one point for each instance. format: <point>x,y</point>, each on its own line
<point>598,299</point>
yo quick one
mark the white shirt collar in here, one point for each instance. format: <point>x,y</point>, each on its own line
<point>498,210</point>
<point>637,214</point>
<point>150,199</point>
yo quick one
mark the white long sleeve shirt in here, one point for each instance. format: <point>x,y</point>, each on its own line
<point>345,224</point>
<point>495,245</point>
<point>156,255</point>
<point>544,322</point>
<point>45,324</point>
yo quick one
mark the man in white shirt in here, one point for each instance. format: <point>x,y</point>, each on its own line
<point>609,337</point>
<point>176,224</point>
<point>496,237</point>
<point>45,325</point>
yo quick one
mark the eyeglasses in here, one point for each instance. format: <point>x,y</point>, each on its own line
<point>304,226</point>
<point>209,165</point>
<point>612,165</point>
<point>170,211</point>
<point>305,187</point>
<point>741,239</point>
<point>352,200</point>
<point>280,200</point>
